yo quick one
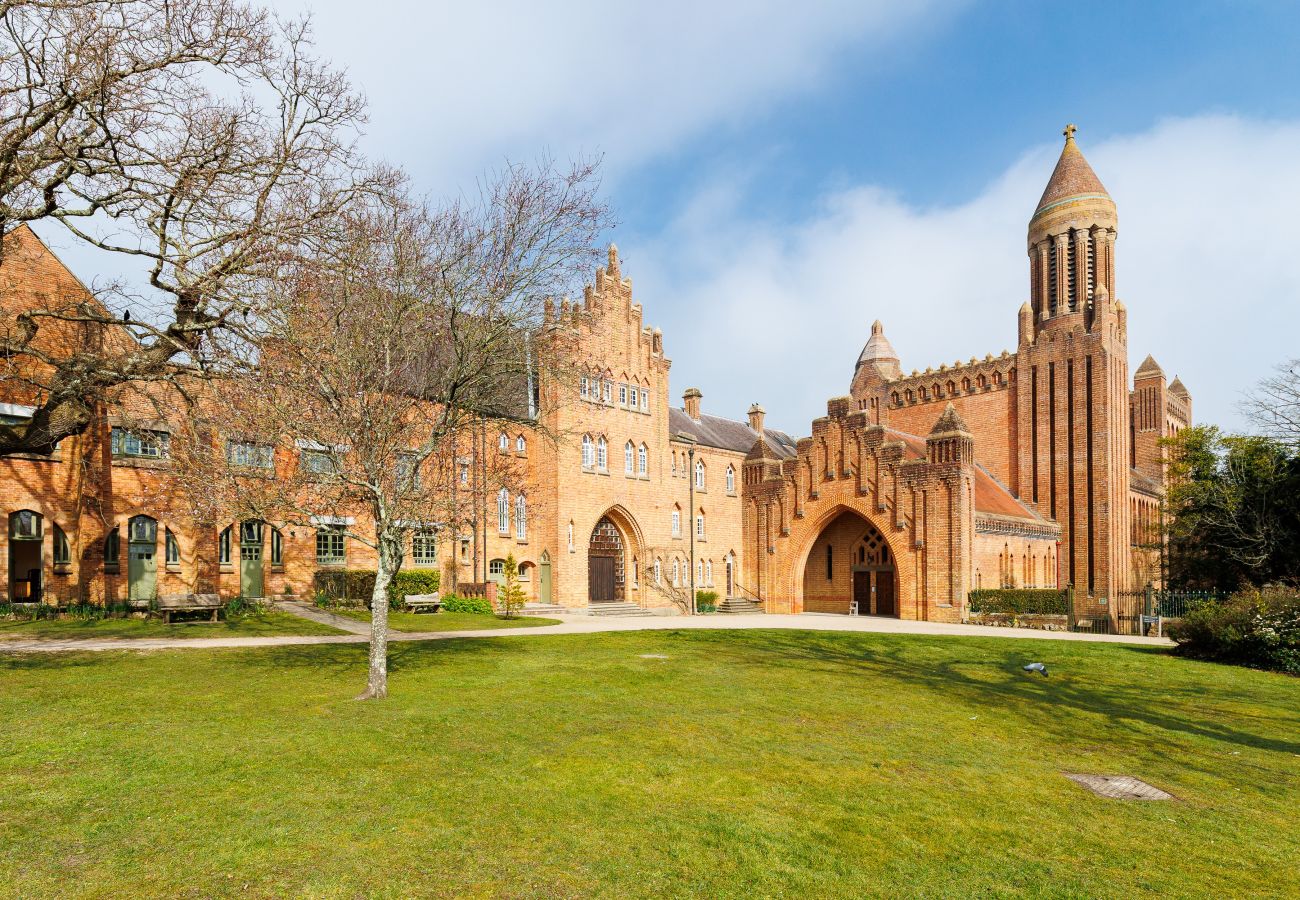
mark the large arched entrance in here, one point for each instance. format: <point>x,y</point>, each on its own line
<point>605,564</point>
<point>850,569</point>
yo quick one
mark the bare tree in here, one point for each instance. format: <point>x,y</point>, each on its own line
<point>390,347</point>
<point>1274,405</point>
<point>194,136</point>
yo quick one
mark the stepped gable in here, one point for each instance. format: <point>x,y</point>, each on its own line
<point>727,434</point>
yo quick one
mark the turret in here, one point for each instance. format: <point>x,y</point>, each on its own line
<point>1071,239</point>
<point>950,441</point>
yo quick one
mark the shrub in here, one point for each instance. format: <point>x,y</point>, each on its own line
<point>1022,601</point>
<point>243,606</point>
<point>353,587</point>
<point>706,601</point>
<point>1259,628</point>
<point>477,605</point>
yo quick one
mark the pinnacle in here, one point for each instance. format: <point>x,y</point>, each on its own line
<point>1149,367</point>
<point>950,421</point>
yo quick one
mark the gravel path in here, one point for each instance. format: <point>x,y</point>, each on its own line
<point>575,625</point>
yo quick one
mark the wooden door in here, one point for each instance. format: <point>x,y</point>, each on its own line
<point>885,594</point>
<point>250,570</point>
<point>600,579</point>
<point>862,592</point>
<point>141,571</point>
<point>544,581</point>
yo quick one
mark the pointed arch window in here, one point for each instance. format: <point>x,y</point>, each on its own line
<point>112,550</point>
<point>571,547</point>
<point>699,525</point>
<point>629,458</point>
<point>588,452</point>
<point>641,456</point>
<point>277,547</point>
<point>62,550</point>
<point>521,518</point>
<point>731,480</point>
<point>223,546</point>
<point>677,523</point>
<point>172,549</point>
<point>699,474</point>
<point>521,445</point>
<point>708,572</point>
<point>659,573</point>
<point>503,511</point>
<point>503,442</point>
<point>602,453</point>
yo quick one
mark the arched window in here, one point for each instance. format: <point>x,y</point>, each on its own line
<point>602,454</point>
<point>629,455</point>
<point>503,442</point>
<point>677,523</point>
<point>658,572</point>
<point>571,536</point>
<point>699,525</point>
<point>699,571</point>
<point>677,577</point>
<point>708,572</point>
<point>699,474</point>
<point>521,518</point>
<point>62,551</point>
<point>172,549</point>
<point>588,453</point>
<point>223,546</point>
<point>277,547</point>
<point>142,529</point>
<point>112,549</point>
<point>503,511</point>
<point>636,572</point>
<point>642,453</point>
<point>731,480</point>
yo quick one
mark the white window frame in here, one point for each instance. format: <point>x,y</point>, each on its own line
<point>521,445</point>
<point>607,391</point>
<point>503,511</point>
<point>588,452</point>
<point>642,453</point>
<point>629,457</point>
<point>658,572</point>
<point>708,572</point>
<point>677,523</point>
<point>424,548</point>
<point>521,518</point>
<point>571,547</point>
<point>622,395</point>
<point>503,442</point>
<point>584,388</point>
<point>699,526</point>
<point>699,474</point>
<point>731,480</point>
<point>602,454</point>
<point>645,401</point>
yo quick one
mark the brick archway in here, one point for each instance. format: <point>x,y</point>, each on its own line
<point>848,566</point>
<point>612,557</point>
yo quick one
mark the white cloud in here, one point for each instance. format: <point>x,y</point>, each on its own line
<point>777,312</point>
<point>453,87</point>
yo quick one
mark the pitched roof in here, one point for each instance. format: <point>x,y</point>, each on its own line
<point>990,495</point>
<point>727,434</point>
<point>1177,388</point>
<point>949,422</point>
<point>1072,177</point>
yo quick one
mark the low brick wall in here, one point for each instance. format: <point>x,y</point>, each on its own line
<point>1011,620</point>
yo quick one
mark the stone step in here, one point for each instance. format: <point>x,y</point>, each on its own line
<point>617,609</point>
<point>739,606</point>
<point>545,609</point>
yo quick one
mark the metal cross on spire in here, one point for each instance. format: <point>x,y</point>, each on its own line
<point>1069,131</point>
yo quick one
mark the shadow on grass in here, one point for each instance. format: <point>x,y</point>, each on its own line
<point>1130,705</point>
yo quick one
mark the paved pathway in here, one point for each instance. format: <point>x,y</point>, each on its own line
<point>316,614</point>
<point>582,625</point>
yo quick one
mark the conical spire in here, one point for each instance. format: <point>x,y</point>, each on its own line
<point>1177,388</point>
<point>1072,177</point>
<point>878,346</point>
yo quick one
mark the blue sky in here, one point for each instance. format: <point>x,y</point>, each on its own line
<point>786,173</point>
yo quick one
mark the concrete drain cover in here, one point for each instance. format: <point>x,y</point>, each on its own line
<point>653,656</point>
<point>1120,787</point>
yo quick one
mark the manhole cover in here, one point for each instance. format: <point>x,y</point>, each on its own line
<point>653,656</point>
<point>1120,787</point>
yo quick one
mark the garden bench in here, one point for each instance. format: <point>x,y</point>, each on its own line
<point>422,602</point>
<point>171,604</point>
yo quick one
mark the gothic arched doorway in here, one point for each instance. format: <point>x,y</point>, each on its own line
<point>850,569</point>
<point>605,575</point>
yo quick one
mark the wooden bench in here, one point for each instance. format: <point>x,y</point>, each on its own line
<point>171,604</point>
<point>422,602</point>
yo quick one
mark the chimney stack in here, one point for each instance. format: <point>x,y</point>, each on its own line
<point>756,414</point>
<point>691,403</point>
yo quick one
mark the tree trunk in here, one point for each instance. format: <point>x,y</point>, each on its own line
<point>390,561</point>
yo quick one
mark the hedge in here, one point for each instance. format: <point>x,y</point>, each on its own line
<point>1259,628</point>
<point>1019,601</point>
<point>478,605</point>
<point>358,585</point>
<point>706,601</point>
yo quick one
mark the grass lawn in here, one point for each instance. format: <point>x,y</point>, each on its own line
<point>447,621</point>
<point>270,622</point>
<point>743,764</point>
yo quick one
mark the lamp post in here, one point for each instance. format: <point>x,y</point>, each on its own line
<point>690,521</point>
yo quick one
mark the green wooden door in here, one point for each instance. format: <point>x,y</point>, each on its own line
<point>142,571</point>
<point>544,581</point>
<point>250,560</point>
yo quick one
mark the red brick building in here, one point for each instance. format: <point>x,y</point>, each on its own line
<point>1036,468</point>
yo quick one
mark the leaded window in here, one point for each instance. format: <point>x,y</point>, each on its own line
<point>248,453</point>
<point>62,552</point>
<point>172,549</point>
<point>424,548</point>
<point>521,518</point>
<point>138,443</point>
<point>503,511</point>
<point>330,549</point>
<point>641,455</point>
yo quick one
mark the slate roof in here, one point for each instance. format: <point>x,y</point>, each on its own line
<point>727,434</point>
<point>1139,481</point>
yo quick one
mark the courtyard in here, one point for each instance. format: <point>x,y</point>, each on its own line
<point>657,762</point>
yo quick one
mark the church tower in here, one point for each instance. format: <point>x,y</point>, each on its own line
<point>1072,386</point>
